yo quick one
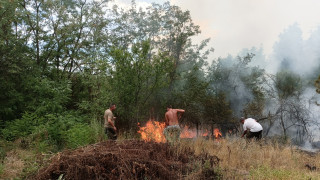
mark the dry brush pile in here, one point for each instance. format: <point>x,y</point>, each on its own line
<point>130,159</point>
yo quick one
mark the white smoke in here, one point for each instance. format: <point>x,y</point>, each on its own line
<point>301,56</point>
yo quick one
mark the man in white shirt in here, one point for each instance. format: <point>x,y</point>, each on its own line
<point>253,127</point>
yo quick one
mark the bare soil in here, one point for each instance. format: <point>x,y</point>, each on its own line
<point>129,159</point>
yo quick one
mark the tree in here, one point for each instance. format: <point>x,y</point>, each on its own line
<point>16,65</point>
<point>135,78</point>
<point>167,27</point>
<point>241,84</point>
<point>290,113</point>
<point>317,84</point>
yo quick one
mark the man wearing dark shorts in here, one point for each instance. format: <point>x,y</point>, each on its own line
<point>109,123</point>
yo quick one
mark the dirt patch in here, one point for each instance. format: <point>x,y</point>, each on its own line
<point>129,159</point>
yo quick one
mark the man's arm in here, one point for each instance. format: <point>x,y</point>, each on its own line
<point>244,132</point>
<point>111,123</point>
<point>181,111</point>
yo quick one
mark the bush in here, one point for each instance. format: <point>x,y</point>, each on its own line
<point>80,135</point>
<point>53,132</point>
<point>20,127</point>
<point>68,130</point>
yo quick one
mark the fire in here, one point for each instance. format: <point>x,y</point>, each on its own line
<point>188,133</point>
<point>217,134</point>
<point>192,133</point>
<point>153,131</point>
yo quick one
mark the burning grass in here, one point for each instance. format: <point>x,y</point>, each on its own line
<point>153,131</point>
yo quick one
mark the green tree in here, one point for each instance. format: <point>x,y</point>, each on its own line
<point>135,78</point>
<point>242,84</point>
<point>16,64</point>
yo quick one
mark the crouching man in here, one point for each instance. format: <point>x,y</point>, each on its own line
<point>252,128</point>
<point>172,130</point>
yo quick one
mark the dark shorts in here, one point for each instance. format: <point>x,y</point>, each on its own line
<point>256,135</point>
<point>111,133</point>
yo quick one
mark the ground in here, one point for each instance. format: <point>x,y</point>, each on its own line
<point>129,159</point>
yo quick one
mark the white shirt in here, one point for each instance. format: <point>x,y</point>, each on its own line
<point>252,125</point>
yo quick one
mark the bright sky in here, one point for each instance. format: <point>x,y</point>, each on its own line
<point>236,24</point>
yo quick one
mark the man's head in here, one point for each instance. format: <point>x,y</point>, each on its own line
<point>169,107</point>
<point>112,106</point>
<point>242,120</point>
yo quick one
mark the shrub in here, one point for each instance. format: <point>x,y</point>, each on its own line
<point>80,135</point>
<point>20,127</point>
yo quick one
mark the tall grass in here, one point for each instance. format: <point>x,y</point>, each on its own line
<point>240,159</point>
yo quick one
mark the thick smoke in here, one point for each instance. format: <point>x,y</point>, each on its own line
<point>293,53</point>
<point>300,56</point>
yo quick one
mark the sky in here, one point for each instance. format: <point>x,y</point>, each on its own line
<point>234,25</point>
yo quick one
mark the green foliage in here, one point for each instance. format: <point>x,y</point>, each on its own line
<point>217,109</point>
<point>51,96</point>
<point>288,84</point>
<point>1,168</point>
<point>242,85</point>
<point>79,135</point>
<point>21,127</point>
<point>58,126</point>
<point>136,77</point>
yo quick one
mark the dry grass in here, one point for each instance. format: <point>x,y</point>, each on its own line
<point>258,160</point>
<point>19,163</point>
<point>238,160</point>
<point>12,166</point>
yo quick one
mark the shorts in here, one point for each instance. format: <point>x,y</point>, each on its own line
<point>111,133</point>
<point>172,133</point>
<point>256,135</point>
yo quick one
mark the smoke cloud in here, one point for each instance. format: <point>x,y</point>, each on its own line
<point>292,53</point>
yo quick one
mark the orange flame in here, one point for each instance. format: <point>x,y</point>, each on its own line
<point>217,134</point>
<point>153,131</point>
<point>192,133</point>
<point>188,133</point>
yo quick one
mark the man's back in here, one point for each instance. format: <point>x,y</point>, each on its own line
<point>172,117</point>
<point>252,125</point>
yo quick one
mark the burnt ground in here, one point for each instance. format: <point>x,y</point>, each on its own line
<point>129,159</point>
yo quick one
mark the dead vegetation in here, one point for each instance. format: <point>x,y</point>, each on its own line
<point>129,159</point>
<point>13,165</point>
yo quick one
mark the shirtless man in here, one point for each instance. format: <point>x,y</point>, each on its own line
<point>172,130</point>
